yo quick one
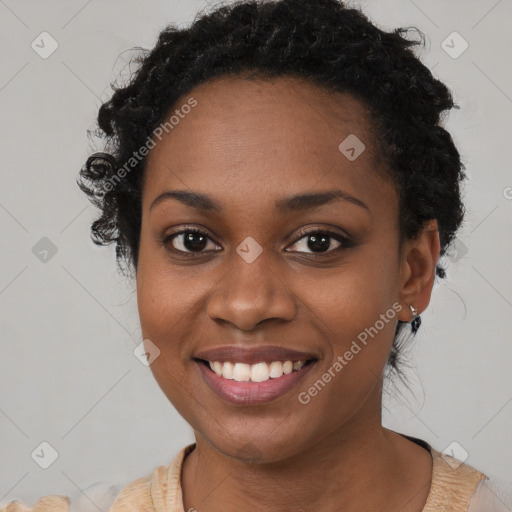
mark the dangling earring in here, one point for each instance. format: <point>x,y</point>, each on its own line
<point>416,320</point>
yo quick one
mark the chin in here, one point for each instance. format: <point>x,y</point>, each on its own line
<point>250,448</point>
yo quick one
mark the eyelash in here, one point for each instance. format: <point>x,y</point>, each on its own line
<point>343,240</point>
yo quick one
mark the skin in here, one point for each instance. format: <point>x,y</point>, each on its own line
<point>247,144</point>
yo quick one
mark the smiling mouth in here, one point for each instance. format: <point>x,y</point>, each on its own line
<point>253,373</point>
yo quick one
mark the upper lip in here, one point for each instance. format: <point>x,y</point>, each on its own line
<point>253,355</point>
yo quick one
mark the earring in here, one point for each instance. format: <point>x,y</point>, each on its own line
<point>416,320</point>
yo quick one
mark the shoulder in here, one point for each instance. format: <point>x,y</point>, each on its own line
<point>44,504</point>
<point>453,481</point>
<point>98,496</point>
<point>457,486</point>
<point>161,490</point>
<point>157,489</point>
<point>139,494</point>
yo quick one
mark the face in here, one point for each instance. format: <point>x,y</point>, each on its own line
<point>312,275</point>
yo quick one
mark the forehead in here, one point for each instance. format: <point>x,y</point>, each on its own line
<point>269,137</point>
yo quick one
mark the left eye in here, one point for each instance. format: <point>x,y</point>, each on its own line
<point>320,241</point>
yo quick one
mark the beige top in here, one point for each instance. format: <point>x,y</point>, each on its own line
<point>452,487</point>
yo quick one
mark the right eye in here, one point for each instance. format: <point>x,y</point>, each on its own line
<point>189,241</point>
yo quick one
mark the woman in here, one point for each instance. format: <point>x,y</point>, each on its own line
<point>277,177</point>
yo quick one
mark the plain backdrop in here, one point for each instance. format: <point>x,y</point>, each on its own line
<point>69,322</point>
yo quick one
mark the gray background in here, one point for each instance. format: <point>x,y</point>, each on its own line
<point>69,325</point>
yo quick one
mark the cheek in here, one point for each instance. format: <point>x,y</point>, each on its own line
<point>165,307</point>
<point>161,298</point>
<point>353,297</point>
<point>162,306</point>
<point>171,307</point>
<point>355,311</point>
<point>165,312</point>
<point>357,325</point>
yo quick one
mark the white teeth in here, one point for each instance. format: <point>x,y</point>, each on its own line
<point>259,372</point>
<point>276,369</point>
<point>227,370</point>
<point>287,367</point>
<point>241,372</point>
<point>216,367</point>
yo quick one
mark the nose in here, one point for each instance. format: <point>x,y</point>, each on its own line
<point>250,293</point>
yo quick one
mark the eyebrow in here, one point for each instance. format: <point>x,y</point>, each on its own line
<point>295,203</point>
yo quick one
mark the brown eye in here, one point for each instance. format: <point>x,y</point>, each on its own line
<point>190,240</point>
<point>320,241</point>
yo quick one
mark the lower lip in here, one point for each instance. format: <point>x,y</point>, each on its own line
<point>252,393</point>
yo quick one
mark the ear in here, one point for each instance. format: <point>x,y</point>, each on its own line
<point>418,260</point>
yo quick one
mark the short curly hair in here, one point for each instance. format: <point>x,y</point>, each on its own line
<point>322,41</point>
